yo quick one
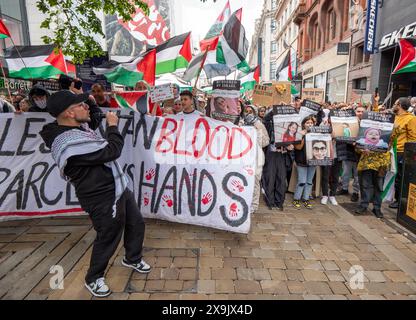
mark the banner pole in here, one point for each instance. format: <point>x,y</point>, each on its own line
<point>202,66</point>
<point>391,73</point>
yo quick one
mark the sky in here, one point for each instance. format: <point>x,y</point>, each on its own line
<point>198,17</point>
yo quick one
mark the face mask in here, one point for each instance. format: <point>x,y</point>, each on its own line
<point>41,103</point>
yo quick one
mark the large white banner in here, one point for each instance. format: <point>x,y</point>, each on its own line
<point>188,169</point>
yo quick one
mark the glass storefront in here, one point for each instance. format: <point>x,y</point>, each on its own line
<point>12,13</point>
<point>335,84</point>
<point>308,83</point>
<point>320,81</point>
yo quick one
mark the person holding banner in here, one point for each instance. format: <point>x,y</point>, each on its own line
<point>405,131</point>
<point>90,164</point>
<point>305,173</point>
<point>187,100</point>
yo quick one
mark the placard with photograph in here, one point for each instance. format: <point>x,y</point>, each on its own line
<point>225,104</point>
<point>320,149</point>
<point>375,131</point>
<point>345,125</point>
<point>286,122</point>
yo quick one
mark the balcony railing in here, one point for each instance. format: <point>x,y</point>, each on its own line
<point>300,13</point>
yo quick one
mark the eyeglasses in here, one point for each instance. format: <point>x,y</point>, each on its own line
<point>319,149</point>
<point>82,105</point>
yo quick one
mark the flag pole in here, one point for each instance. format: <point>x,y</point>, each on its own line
<point>202,66</point>
<point>391,73</point>
<point>20,56</point>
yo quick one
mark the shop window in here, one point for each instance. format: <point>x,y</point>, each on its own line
<point>335,84</point>
<point>320,81</point>
<point>308,83</point>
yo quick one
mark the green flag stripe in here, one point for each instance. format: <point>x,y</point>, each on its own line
<point>171,65</point>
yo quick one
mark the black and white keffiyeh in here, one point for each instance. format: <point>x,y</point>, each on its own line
<point>77,142</point>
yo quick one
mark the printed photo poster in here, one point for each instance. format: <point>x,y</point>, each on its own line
<point>309,108</point>
<point>375,131</point>
<point>286,122</point>
<point>225,104</point>
<point>320,149</point>
<point>345,125</point>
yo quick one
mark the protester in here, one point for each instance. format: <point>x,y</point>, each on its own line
<point>188,103</point>
<point>412,108</point>
<point>6,107</point>
<point>306,173</point>
<point>177,106</point>
<point>143,86</point>
<point>90,164</point>
<point>101,98</point>
<point>261,112</point>
<point>168,111</point>
<point>24,105</point>
<point>38,97</point>
<point>16,99</point>
<point>405,131</point>
<point>277,161</point>
<point>201,104</point>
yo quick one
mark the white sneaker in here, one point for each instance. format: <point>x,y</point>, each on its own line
<point>141,267</point>
<point>98,288</point>
<point>324,200</point>
<point>333,201</point>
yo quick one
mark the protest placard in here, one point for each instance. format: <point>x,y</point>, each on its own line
<point>161,93</point>
<point>313,94</point>
<point>286,122</point>
<point>375,131</point>
<point>283,94</point>
<point>225,104</point>
<point>319,146</point>
<point>309,108</point>
<point>345,125</point>
<point>263,95</point>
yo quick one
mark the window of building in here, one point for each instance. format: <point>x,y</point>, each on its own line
<point>273,26</point>
<point>308,83</point>
<point>335,84</point>
<point>12,16</point>
<point>320,81</point>
<point>273,69</point>
<point>360,84</point>
<point>331,25</point>
<point>274,4</point>
<point>273,47</point>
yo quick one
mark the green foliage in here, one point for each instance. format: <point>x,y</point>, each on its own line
<point>76,27</point>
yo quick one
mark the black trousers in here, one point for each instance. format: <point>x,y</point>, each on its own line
<point>330,178</point>
<point>274,178</point>
<point>399,177</point>
<point>371,188</point>
<point>110,230</point>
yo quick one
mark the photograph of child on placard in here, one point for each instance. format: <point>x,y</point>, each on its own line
<point>373,137</point>
<point>345,125</point>
<point>286,126</point>
<point>290,133</point>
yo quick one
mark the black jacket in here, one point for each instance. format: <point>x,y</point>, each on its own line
<point>92,179</point>
<point>346,152</point>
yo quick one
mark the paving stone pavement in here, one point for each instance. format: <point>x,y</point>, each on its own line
<point>294,254</point>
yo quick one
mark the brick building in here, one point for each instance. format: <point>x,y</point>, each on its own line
<point>324,43</point>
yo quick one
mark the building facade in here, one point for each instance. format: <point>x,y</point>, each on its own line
<point>324,43</point>
<point>263,49</point>
<point>286,33</point>
<point>394,22</point>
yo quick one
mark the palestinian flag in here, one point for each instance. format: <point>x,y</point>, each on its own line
<point>231,51</point>
<point>407,62</point>
<point>250,80</point>
<point>39,62</point>
<point>135,100</point>
<point>285,71</point>
<point>195,66</point>
<point>4,32</point>
<point>213,35</point>
<point>129,73</point>
<point>174,54</point>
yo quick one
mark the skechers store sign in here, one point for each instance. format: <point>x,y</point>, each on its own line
<point>392,38</point>
<point>371,25</point>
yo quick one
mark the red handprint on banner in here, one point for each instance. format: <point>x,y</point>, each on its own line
<point>233,210</point>
<point>168,200</point>
<point>206,198</point>
<point>249,170</point>
<point>150,174</point>
<point>237,185</point>
<point>146,199</point>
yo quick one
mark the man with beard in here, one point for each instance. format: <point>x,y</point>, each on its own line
<point>90,164</point>
<point>405,131</point>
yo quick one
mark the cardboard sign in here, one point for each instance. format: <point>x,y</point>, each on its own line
<point>161,93</point>
<point>283,92</point>
<point>286,123</point>
<point>313,94</point>
<point>345,125</point>
<point>263,95</point>
<point>375,131</point>
<point>319,147</point>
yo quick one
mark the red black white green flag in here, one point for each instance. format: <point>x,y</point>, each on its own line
<point>407,62</point>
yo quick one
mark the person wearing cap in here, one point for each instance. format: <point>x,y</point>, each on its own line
<point>38,97</point>
<point>89,162</point>
<point>405,131</point>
